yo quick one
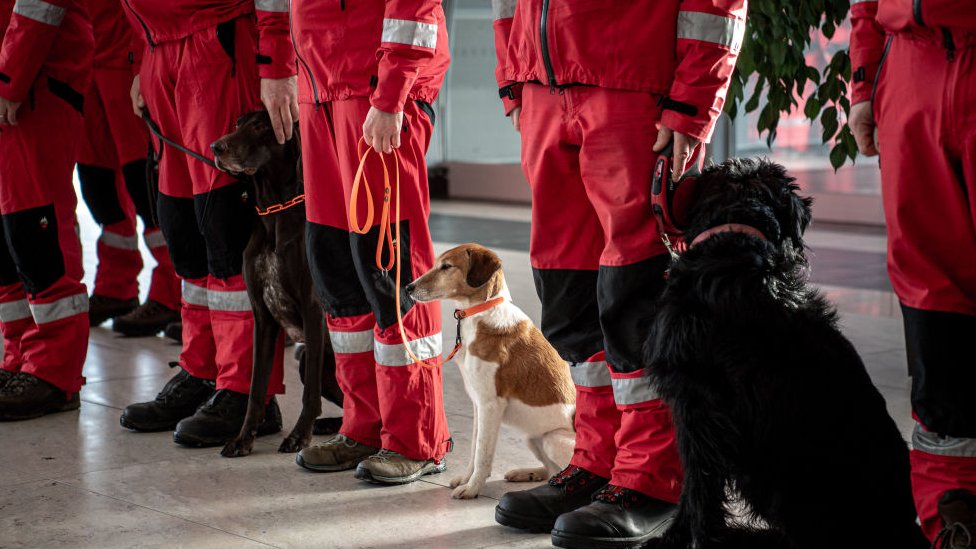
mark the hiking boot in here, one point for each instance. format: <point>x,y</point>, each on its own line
<point>180,397</point>
<point>389,467</point>
<point>958,511</point>
<point>536,510</point>
<point>101,308</point>
<point>219,420</point>
<point>174,331</point>
<point>5,376</point>
<point>339,453</point>
<point>147,319</point>
<point>24,396</point>
<point>616,518</point>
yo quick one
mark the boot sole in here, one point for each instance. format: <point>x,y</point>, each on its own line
<point>576,541</point>
<point>345,466</point>
<point>148,427</point>
<point>209,442</point>
<point>142,331</point>
<point>433,469</point>
<point>66,407</point>
<point>532,525</point>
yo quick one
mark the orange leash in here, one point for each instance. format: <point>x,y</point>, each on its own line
<point>275,208</point>
<point>461,314</point>
<point>386,240</point>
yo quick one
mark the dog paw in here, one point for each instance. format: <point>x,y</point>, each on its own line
<point>527,475</point>
<point>293,443</point>
<point>237,448</point>
<point>459,480</point>
<point>466,491</point>
<point>327,425</point>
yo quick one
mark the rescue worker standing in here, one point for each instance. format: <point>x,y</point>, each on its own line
<point>202,69</point>
<point>595,88</point>
<point>371,69</point>
<point>45,68</point>
<point>112,172</point>
<point>914,69</point>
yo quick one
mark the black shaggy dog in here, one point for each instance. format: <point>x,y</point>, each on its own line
<point>770,401</point>
<point>279,283</point>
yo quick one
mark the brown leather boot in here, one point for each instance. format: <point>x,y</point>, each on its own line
<point>148,319</point>
<point>101,308</point>
<point>26,397</point>
<point>958,511</point>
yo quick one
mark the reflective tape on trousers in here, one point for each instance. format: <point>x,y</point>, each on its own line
<point>351,342</point>
<point>58,310</point>
<point>14,310</point>
<point>40,11</point>
<point>724,31</point>
<point>119,242</point>
<point>503,9</point>
<point>195,295</point>
<point>233,302</point>
<point>590,374</point>
<point>633,390</point>
<point>280,6</point>
<point>932,443</point>
<point>859,1</point>
<point>411,33</point>
<point>155,239</point>
<point>396,355</point>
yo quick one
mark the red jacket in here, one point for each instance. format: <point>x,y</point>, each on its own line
<point>684,50</point>
<point>950,22</point>
<point>386,50</point>
<point>117,46</point>
<point>164,20</point>
<point>49,37</point>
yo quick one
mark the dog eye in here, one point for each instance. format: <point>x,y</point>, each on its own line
<point>446,266</point>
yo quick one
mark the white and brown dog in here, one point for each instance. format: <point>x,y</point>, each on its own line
<point>512,374</point>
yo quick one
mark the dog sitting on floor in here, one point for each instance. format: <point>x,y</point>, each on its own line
<point>279,283</point>
<point>770,401</point>
<point>512,374</point>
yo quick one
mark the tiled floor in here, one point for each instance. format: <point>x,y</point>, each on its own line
<point>79,480</point>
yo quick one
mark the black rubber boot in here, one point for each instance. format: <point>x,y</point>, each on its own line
<point>617,518</point>
<point>180,397</point>
<point>174,331</point>
<point>24,396</point>
<point>536,510</point>
<point>101,308</point>
<point>957,508</point>
<point>5,376</point>
<point>220,419</point>
<point>147,319</point>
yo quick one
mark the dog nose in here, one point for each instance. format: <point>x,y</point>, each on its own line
<point>410,288</point>
<point>218,147</point>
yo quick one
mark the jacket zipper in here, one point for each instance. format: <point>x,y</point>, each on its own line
<point>544,37</point>
<point>877,76</point>
<point>917,12</point>
<point>950,45</point>
<point>152,45</point>
<point>301,61</point>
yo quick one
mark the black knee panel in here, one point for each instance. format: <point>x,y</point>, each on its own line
<point>32,239</point>
<point>379,286</point>
<point>570,317</point>
<point>99,192</point>
<point>178,221</point>
<point>134,174</point>
<point>628,297</point>
<point>8,270</point>
<point>943,376</point>
<point>333,270</point>
<point>227,217</point>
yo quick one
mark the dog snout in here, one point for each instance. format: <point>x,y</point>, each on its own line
<point>410,288</point>
<point>218,147</point>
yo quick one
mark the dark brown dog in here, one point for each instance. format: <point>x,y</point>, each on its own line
<point>278,280</point>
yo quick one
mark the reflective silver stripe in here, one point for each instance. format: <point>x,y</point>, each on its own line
<point>234,302</point>
<point>931,443</point>
<point>120,242</point>
<point>590,374</point>
<point>724,31</point>
<point>280,6</point>
<point>859,1</point>
<point>396,355</point>
<point>155,240</point>
<point>411,33</point>
<point>633,391</point>
<point>351,342</point>
<point>40,11</point>
<point>503,9</point>
<point>15,310</point>
<point>195,295</point>
<point>63,308</point>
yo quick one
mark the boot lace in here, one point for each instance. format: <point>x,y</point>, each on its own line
<point>571,478</point>
<point>177,387</point>
<point>220,404</point>
<point>338,439</point>
<point>18,384</point>
<point>385,455</point>
<point>617,495</point>
<point>955,536</point>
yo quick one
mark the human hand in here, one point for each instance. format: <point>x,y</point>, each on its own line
<point>861,122</point>
<point>684,146</point>
<point>280,97</point>
<point>382,130</point>
<point>8,112</point>
<point>516,116</point>
<point>135,94</point>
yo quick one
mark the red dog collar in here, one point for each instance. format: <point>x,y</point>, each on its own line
<point>728,228</point>
<point>671,200</point>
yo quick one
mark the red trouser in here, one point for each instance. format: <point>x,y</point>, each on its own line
<point>112,161</point>
<point>195,89</point>
<point>390,401</point>
<point>43,304</point>
<point>598,263</point>
<point>925,113</point>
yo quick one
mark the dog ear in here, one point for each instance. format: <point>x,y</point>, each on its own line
<point>799,213</point>
<point>483,264</point>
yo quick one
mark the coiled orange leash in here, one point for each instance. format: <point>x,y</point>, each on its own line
<point>386,240</point>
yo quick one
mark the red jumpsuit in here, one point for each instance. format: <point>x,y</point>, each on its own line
<point>200,72</point>
<point>45,63</point>
<point>112,166</point>
<point>916,59</point>
<point>591,107</point>
<point>391,55</point>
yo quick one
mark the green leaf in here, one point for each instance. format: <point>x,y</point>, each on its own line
<point>812,108</point>
<point>838,155</point>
